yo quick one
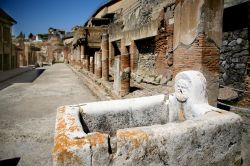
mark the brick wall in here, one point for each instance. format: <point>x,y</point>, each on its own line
<point>164,42</point>
<point>202,55</point>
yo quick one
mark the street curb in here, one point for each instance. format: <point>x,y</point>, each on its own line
<point>94,88</point>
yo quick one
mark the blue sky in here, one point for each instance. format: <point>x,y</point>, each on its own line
<point>36,16</point>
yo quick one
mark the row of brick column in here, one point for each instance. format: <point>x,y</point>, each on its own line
<point>100,63</point>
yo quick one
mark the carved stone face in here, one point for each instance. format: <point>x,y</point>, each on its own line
<point>190,87</point>
<point>182,90</point>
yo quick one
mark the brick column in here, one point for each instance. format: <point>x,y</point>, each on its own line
<point>87,62</point>
<point>105,57</point>
<point>82,54</point>
<point>66,55</point>
<point>78,56</point>
<point>95,62</point>
<point>134,56</point>
<point>26,53</point>
<point>98,67</point>
<point>117,77</point>
<point>91,65</point>
<point>82,51</point>
<point>125,70</point>
<point>111,54</point>
<point>197,41</point>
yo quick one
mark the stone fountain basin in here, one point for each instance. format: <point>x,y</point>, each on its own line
<point>137,132</point>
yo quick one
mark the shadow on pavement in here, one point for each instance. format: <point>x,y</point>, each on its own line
<point>10,162</point>
<point>26,77</point>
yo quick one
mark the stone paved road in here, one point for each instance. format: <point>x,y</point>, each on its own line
<point>28,111</point>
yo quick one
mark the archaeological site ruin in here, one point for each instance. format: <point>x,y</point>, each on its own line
<point>125,83</point>
<point>162,68</point>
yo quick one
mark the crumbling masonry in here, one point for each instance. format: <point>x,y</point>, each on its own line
<point>128,42</point>
<point>154,40</point>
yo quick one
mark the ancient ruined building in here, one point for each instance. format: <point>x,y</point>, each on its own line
<point>150,42</point>
<point>55,47</point>
<point>159,38</point>
<point>8,54</point>
<point>16,52</point>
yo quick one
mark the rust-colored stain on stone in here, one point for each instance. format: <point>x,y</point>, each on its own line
<point>62,142</point>
<point>137,137</point>
<point>97,138</point>
<point>73,125</point>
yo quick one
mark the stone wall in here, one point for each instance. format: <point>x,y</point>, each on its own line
<point>146,49</point>
<point>155,57</point>
<point>152,62</point>
<point>137,20</point>
<point>234,57</point>
<point>142,12</point>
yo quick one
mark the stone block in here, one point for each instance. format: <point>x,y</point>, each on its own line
<point>240,66</point>
<point>239,40</point>
<point>227,94</point>
<point>225,42</point>
<point>213,139</point>
<point>139,79</point>
<point>232,43</point>
<point>148,79</point>
<point>158,79</point>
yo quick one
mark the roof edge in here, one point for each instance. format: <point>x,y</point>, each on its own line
<point>100,8</point>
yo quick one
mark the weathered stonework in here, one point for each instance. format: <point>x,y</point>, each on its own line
<point>197,41</point>
<point>91,65</point>
<point>87,63</point>
<point>134,57</point>
<point>117,77</point>
<point>234,58</point>
<point>98,67</point>
<point>203,56</point>
<point>125,70</point>
<point>150,130</point>
<point>105,57</point>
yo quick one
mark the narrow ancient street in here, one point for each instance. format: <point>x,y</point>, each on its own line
<point>28,111</point>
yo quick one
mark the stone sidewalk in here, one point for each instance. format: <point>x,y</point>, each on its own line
<point>14,72</point>
<point>28,113</point>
